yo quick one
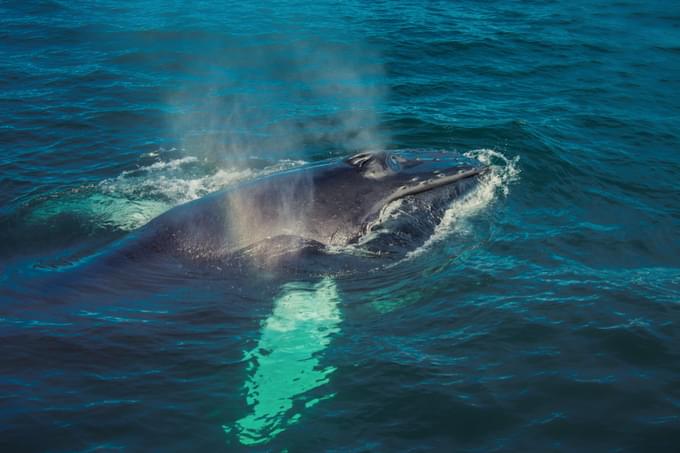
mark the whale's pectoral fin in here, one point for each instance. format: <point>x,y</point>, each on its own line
<point>287,372</point>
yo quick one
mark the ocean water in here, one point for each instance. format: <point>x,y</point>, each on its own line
<point>542,315</point>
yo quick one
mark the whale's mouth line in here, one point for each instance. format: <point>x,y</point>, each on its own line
<point>431,184</point>
<point>423,186</point>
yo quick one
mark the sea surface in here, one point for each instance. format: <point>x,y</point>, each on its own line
<point>542,315</point>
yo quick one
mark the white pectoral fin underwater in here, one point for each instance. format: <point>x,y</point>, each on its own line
<point>286,372</point>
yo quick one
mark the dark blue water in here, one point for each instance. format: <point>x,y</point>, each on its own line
<point>542,315</point>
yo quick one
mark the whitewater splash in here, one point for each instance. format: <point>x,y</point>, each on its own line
<point>503,171</point>
<point>134,197</point>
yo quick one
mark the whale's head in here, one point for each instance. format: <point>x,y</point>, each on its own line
<point>400,174</point>
<point>355,192</point>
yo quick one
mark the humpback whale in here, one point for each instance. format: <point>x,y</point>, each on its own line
<point>335,202</point>
<point>372,201</point>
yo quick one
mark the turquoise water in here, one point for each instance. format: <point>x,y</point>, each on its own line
<point>542,314</point>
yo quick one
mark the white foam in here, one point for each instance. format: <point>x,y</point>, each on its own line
<point>172,187</point>
<point>134,197</point>
<point>503,172</point>
<point>163,185</point>
<point>157,166</point>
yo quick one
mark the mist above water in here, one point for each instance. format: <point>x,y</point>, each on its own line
<point>281,94</point>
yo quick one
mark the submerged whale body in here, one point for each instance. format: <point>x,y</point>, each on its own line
<point>337,202</point>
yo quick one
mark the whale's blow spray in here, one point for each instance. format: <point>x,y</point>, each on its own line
<point>307,96</point>
<point>310,96</point>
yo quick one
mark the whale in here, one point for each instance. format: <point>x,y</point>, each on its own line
<point>332,203</point>
<point>288,238</point>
